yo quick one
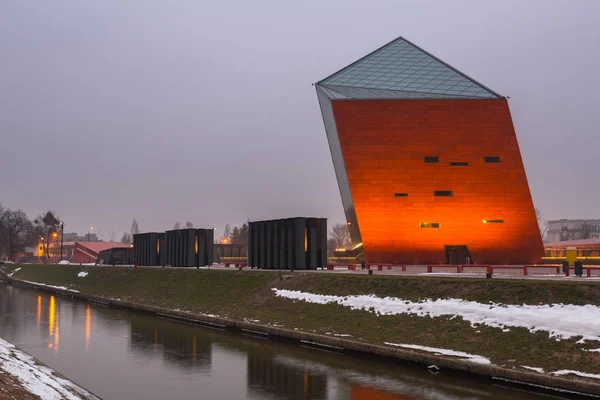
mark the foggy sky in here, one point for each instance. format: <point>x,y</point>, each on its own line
<point>204,111</point>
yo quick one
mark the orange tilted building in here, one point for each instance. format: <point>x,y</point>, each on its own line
<point>428,163</point>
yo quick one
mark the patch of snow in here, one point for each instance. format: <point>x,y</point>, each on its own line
<point>82,274</point>
<point>595,350</point>
<point>38,379</point>
<point>63,262</point>
<point>446,352</point>
<point>561,321</point>
<point>52,286</point>
<point>536,369</point>
<point>578,373</point>
<point>12,273</point>
<point>342,334</point>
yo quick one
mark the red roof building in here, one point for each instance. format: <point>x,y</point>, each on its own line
<point>87,252</point>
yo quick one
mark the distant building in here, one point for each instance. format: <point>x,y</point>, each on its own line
<point>562,230</point>
<point>70,237</point>
<point>87,252</point>
<point>88,237</point>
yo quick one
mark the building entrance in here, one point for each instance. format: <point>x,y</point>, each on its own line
<point>458,255</point>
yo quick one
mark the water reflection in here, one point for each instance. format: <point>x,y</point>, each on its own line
<point>178,345</point>
<point>265,374</point>
<point>88,326</point>
<point>39,310</point>
<point>136,356</point>
<point>360,392</point>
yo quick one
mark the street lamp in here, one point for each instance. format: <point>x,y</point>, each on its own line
<point>41,240</point>
<point>62,231</point>
<point>89,232</point>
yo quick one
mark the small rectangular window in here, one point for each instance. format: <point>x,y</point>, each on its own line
<point>400,194</point>
<point>443,193</point>
<point>459,164</point>
<point>429,225</point>
<point>491,159</point>
<point>493,221</point>
<point>431,159</point>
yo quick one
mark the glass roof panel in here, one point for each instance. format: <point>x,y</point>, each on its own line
<point>402,66</point>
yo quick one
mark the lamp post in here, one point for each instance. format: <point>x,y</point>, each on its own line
<point>89,232</point>
<point>62,231</point>
<point>42,242</point>
<point>54,236</point>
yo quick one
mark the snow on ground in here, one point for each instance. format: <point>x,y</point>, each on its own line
<point>12,273</point>
<point>582,374</point>
<point>52,286</point>
<point>82,274</point>
<point>38,379</point>
<point>536,369</point>
<point>470,357</point>
<point>561,321</point>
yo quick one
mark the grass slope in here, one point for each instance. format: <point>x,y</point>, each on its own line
<point>248,295</point>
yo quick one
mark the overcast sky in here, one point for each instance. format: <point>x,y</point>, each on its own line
<point>170,111</point>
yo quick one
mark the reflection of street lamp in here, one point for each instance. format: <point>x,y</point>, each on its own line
<point>89,232</point>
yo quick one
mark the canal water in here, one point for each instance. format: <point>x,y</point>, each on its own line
<point>118,354</point>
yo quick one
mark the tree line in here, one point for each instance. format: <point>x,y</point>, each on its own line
<point>17,231</point>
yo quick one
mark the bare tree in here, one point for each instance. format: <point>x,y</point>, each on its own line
<point>226,233</point>
<point>127,238</point>
<point>15,226</point>
<point>177,225</point>
<point>239,235</point>
<point>189,224</point>
<point>135,229</point>
<point>45,225</point>
<point>340,236</point>
<point>538,214</point>
<point>2,245</point>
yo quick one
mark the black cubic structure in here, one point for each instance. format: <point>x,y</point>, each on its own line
<point>148,248</point>
<point>292,243</point>
<point>115,256</point>
<point>178,248</point>
<point>189,247</point>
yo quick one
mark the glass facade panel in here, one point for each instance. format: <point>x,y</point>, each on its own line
<point>339,166</point>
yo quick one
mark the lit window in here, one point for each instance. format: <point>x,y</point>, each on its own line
<point>431,159</point>
<point>459,164</point>
<point>400,194</point>
<point>493,221</point>
<point>429,225</point>
<point>443,193</point>
<point>491,159</point>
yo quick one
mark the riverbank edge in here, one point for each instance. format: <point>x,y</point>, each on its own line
<point>336,344</point>
<point>73,388</point>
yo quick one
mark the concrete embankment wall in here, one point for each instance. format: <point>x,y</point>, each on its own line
<point>336,344</point>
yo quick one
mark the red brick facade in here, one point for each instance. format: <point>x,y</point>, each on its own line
<point>384,143</point>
